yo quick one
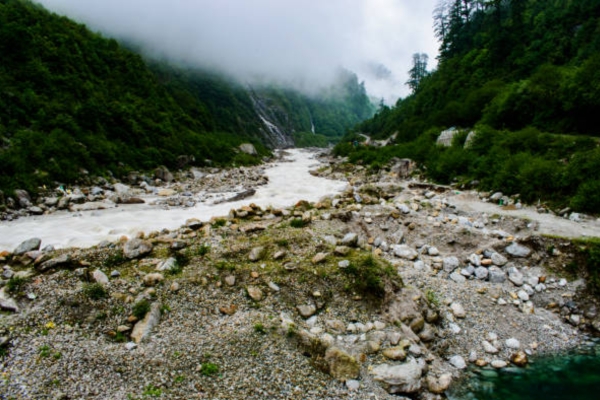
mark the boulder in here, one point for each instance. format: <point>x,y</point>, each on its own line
<point>143,328</point>
<point>342,366</point>
<point>248,148</point>
<point>163,174</point>
<point>23,198</point>
<point>403,378</point>
<point>136,248</point>
<point>405,251</point>
<point>517,250</point>
<point>61,260</point>
<point>28,245</point>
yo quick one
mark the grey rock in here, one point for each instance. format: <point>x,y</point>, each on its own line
<point>136,248</point>
<point>458,278</point>
<point>61,260</point>
<point>496,275</point>
<point>100,277</point>
<point>167,265</point>
<point>515,276</point>
<point>7,303</point>
<point>121,189</point>
<point>307,310</point>
<point>512,343</point>
<point>457,362</point>
<point>23,198</point>
<point>489,348</point>
<point>397,237</point>
<point>498,259</point>
<point>450,263</point>
<point>403,378</point>
<point>433,251</point>
<point>163,174</point>
<point>499,364</point>
<point>350,240</point>
<point>481,273</point>
<point>28,245</point>
<point>404,251</point>
<point>468,271</point>
<point>344,264</point>
<point>230,280</point>
<point>517,250</point>
<point>352,385</point>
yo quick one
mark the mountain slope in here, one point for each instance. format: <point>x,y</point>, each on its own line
<point>525,76</point>
<point>72,100</point>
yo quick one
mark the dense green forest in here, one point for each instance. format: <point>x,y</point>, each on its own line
<point>525,76</point>
<point>72,100</point>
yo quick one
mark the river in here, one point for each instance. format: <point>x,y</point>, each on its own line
<point>289,182</point>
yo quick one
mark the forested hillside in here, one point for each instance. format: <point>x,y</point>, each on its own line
<point>72,100</point>
<point>525,76</point>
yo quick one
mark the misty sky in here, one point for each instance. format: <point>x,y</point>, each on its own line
<point>303,41</point>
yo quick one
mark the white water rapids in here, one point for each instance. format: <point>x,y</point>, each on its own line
<point>289,182</point>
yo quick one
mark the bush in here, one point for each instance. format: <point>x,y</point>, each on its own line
<point>94,291</point>
<point>209,369</point>
<point>141,308</point>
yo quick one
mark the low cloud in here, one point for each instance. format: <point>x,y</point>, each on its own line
<point>303,42</point>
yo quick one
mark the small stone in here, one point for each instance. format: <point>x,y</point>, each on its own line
<point>450,263</point>
<point>350,240</point>
<point>458,278</point>
<point>153,279</point>
<point>523,295</point>
<point>458,310</point>
<point>254,275</point>
<point>255,293</point>
<point>352,385</point>
<point>519,359</point>
<point>342,366</point>
<point>307,310</point>
<point>481,273</point>
<point>230,280</point>
<point>433,251</point>
<point>100,277</point>
<point>395,353</point>
<point>130,346</point>
<point>344,264</point>
<point>498,259</point>
<point>489,348</point>
<point>319,257</point>
<point>405,251</point>
<point>499,364</point>
<point>496,275</point>
<point>458,362</point>
<point>513,343</point>
<point>517,250</point>
<point>273,287</point>
<point>167,265</point>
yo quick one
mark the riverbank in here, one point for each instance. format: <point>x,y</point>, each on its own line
<point>387,287</point>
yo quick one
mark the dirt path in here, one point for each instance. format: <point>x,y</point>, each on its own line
<point>548,224</point>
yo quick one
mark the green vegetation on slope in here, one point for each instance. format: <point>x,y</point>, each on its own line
<point>525,75</point>
<point>72,101</point>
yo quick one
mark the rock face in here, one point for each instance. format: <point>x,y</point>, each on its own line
<point>404,378</point>
<point>136,248</point>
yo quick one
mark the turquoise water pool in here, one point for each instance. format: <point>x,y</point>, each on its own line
<point>572,376</point>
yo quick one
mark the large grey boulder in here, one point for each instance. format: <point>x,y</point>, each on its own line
<point>32,244</point>
<point>23,198</point>
<point>404,378</point>
<point>136,248</point>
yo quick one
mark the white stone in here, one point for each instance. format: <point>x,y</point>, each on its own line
<point>458,362</point>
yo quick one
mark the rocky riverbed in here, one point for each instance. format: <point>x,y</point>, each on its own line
<point>387,289</point>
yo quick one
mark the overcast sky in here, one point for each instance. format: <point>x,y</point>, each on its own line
<point>300,40</point>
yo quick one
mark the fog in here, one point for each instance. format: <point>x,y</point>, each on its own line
<point>299,41</point>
